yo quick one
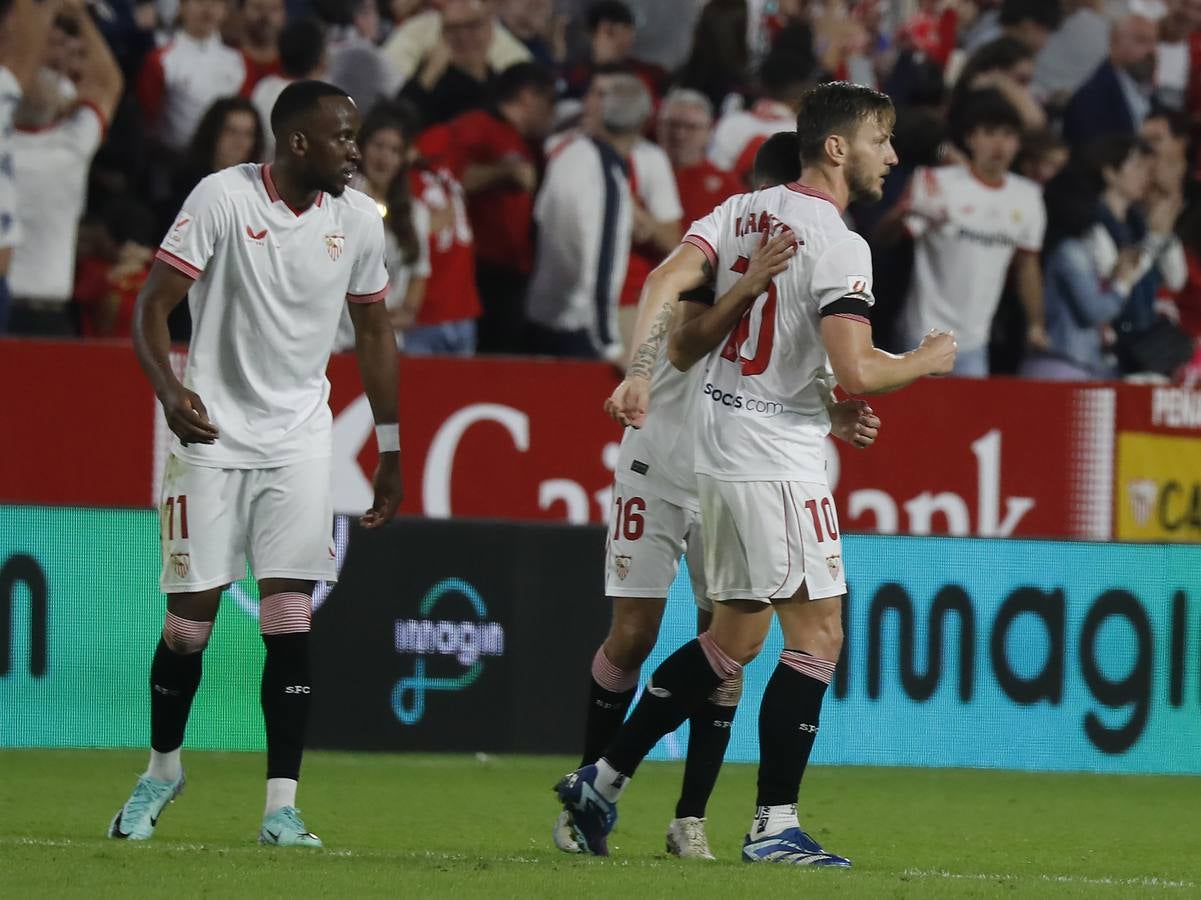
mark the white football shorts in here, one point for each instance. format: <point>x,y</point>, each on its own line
<point>764,539</point>
<point>211,521</point>
<point>647,537</point>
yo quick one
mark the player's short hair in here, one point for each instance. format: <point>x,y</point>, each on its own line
<point>985,108</point>
<point>778,161</point>
<point>626,105</point>
<point>520,77</point>
<point>299,99</point>
<point>838,107</point>
<point>1041,12</point>
<point>301,46</point>
<point>609,11</point>
<point>785,72</point>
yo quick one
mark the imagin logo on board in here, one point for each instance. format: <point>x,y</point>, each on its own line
<point>467,642</point>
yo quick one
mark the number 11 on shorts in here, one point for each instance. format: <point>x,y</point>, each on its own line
<point>169,507</point>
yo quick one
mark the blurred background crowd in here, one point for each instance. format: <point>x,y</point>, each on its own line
<point>534,159</point>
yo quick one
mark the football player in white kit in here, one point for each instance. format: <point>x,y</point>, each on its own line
<point>656,518</point>
<point>268,255</point>
<point>769,525</point>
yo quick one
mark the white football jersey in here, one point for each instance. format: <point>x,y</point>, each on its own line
<point>960,264</point>
<point>270,287</point>
<point>660,453</point>
<point>762,414</point>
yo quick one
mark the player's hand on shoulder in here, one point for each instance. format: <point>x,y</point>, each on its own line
<point>187,417</point>
<point>629,401</point>
<point>389,491</point>
<point>855,422</point>
<point>768,260</point>
<point>939,348</point>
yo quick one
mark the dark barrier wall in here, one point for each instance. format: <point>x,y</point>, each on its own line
<point>459,636</point>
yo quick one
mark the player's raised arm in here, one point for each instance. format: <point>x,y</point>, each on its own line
<point>698,330</point>
<point>24,39</point>
<point>686,269</point>
<point>165,287</point>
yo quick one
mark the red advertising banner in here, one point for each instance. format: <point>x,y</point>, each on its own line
<point>526,439</point>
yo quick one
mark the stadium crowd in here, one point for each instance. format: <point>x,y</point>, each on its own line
<point>535,159</point>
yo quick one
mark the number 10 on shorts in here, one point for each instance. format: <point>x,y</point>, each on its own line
<point>828,515</point>
<point>170,505</point>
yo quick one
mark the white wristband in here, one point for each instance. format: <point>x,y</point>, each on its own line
<point>387,438</point>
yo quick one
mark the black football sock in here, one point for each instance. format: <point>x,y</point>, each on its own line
<point>174,678</point>
<point>675,690</point>
<point>286,692</point>
<point>788,721</point>
<point>708,737</point>
<point>610,692</point>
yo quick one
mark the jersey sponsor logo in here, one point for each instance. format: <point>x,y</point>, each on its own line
<point>256,236</point>
<point>640,467</point>
<point>987,239</point>
<point>334,242</point>
<point>857,284</point>
<point>742,402</point>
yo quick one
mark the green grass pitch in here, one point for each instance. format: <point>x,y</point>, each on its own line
<point>458,827</point>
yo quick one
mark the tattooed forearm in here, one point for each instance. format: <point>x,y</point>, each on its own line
<point>643,362</point>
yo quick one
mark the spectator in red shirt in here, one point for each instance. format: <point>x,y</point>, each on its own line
<point>181,79</point>
<point>494,153</point>
<point>261,23</point>
<point>685,128</point>
<point>115,254</point>
<point>611,32</point>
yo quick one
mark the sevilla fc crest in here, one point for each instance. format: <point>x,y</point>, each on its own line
<point>181,564</point>
<point>334,243</point>
<point>622,564</point>
<point>834,564</point>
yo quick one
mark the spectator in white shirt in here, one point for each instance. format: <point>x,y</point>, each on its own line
<point>52,150</point>
<point>584,218</point>
<point>970,225</point>
<point>181,79</point>
<point>301,56</point>
<point>24,26</point>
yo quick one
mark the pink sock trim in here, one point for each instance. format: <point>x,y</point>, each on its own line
<point>610,677</point>
<point>722,664</point>
<point>288,613</point>
<point>818,669</point>
<point>185,636</point>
